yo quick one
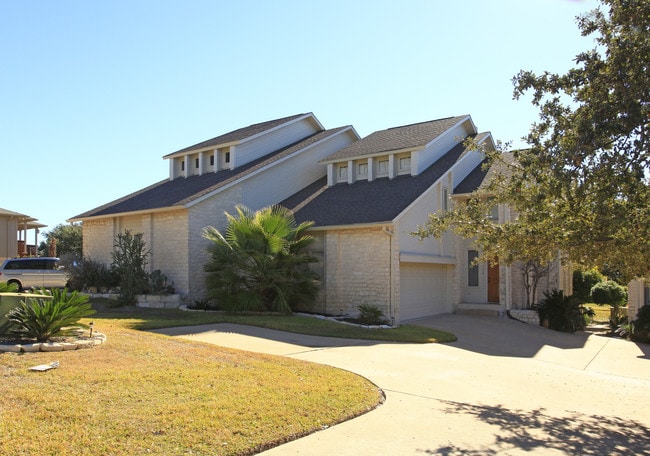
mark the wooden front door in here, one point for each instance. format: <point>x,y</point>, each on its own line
<point>493,281</point>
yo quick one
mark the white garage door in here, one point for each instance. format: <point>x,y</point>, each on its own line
<point>423,290</point>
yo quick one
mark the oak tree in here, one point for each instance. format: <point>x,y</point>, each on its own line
<point>582,185</point>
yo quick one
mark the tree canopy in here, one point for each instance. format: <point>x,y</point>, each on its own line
<point>582,187</point>
<point>68,238</point>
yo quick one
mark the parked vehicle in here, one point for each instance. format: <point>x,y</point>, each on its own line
<point>33,272</point>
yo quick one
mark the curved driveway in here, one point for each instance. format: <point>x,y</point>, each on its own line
<point>504,388</point>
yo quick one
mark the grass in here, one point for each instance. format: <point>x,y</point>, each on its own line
<point>602,312</point>
<point>145,393</point>
<point>148,318</point>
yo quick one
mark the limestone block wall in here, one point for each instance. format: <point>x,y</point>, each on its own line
<point>98,239</point>
<point>357,270</point>
<point>209,212</point>
<point>166,235</point>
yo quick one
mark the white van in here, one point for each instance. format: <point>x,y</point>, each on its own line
<point>33,272</point>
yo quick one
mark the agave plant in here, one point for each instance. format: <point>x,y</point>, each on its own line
<point>44,318</point>
<point>8,287</point>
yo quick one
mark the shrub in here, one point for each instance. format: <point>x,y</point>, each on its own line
<point>370,315</point>
<point>91,274</point>
<point>563,313</point>
<point>641,326</point>
<point>42,319</point>
<point>259,263</point>
<point>203,304</point>
<point>583,281</point>
<point>129,262</point>
<point>158,283</point>
<point>608,292</point>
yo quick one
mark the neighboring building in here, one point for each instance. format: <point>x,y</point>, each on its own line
<point>365,196</point>
<point>638,295</point>
<point>14,229</point>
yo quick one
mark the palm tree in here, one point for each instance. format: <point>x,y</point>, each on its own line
<point>259,263</point>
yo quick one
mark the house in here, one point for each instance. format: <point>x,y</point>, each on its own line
<point>376,193</point>
<point>14,230</point>
<point>365,196</point>
<point>256,166</point>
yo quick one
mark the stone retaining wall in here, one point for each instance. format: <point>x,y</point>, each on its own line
<point>527,316</point>
<point>89,342</point>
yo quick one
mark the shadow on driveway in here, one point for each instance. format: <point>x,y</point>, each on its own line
<point>502,336</point>
<point>535,430</point>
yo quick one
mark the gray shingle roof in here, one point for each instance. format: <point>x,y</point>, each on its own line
<point>239,134</point>
<point>181,191</point>
<point>405,137</point>
<point>480,178</point>
<point>379,201</point>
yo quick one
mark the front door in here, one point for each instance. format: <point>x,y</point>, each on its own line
<point>493,281</point>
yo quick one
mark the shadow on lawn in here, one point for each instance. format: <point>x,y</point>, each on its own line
<point>535,430</point>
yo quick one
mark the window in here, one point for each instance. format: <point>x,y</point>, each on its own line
<point>494,213</point>
<point>182,165</point>
<point>227,157</point>
<point>472,268</point>
<point>445,199</point>
<point>211,160</point>
<point>196,163</point>
<point>405,163</point>
<point>383,167</point>
<point>363,169</point>
<point>343,172</point>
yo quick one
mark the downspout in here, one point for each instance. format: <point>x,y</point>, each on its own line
<point>391,310</point>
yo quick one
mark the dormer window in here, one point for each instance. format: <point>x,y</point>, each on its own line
<point>212,160</point>
<point>182,165</point>
<point>196,163</point>
<point>343,172</point>
<point>404,163</point>
<point>363,169</point>
<point>227,158</point>
<point>382,167</point>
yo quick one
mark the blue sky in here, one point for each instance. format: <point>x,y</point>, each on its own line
<point>93,94</point>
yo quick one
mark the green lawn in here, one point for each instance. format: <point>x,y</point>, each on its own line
<point>149,318</point>
<point>145,393</point>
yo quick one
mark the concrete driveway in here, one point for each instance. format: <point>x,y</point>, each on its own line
<point>504,388</point>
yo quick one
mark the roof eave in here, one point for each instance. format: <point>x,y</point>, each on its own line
<point>351,226</point>
<point>373,155</point>
<point>244,140</point>
<point>121,214</point>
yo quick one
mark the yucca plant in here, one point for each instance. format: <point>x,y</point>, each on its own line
<point>42,318</point>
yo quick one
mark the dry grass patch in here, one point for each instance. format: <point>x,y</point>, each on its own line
<point>145,393</point>
<point>602,312</point>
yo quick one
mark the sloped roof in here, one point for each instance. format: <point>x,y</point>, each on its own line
<point>239,134</point>
<point>379,201</point>
<point>479,178</point>
<point>182,191</point>
<point>397,138</point>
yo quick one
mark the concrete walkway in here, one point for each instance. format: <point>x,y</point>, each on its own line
<point>504,388</point>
